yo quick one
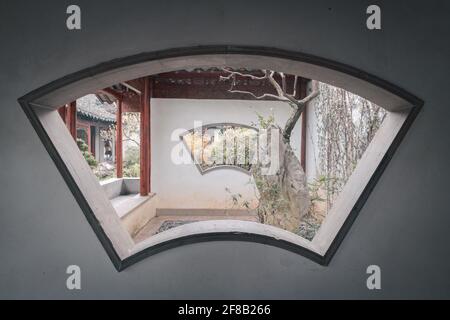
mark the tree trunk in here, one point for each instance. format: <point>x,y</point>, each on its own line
<point>283,196</point>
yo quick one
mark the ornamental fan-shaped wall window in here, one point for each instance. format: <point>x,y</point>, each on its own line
<point>222,146</point>
<point>227,143</point>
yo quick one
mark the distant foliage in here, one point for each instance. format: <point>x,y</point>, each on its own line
<point>346,125</point>
<point>84,148</point>
<point>131,137</point>
<point>131,122</point>
<point>131,162</point>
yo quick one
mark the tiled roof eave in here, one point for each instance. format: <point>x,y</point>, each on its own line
<point>91,117</point>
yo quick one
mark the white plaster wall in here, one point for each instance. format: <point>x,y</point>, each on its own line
<point>182,185</point>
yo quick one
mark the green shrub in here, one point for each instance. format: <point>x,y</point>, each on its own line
<point>131,163</point>
<point>131,170</point>
<point>131,155</point>
<point>84,148</point>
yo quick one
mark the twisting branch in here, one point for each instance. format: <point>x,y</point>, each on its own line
<point>283,81</point>
<point>297,105</point>
<point>127,138</point>
<point>313,94</point>
<point>232,75</point>
<point>294,94</point>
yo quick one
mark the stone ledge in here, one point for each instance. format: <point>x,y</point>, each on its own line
<point>125,204</point>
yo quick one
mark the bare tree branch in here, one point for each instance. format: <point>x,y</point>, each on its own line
<point>314,93</point>
<point>282,94</point>
<point>301,105</point>
<point>232,74</point>
<point>127,138</point>
<point>294,93</point>
<point>283,82</point>
<point>265,95</point>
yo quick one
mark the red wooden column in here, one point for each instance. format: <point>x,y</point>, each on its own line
<point>150,83</point>
<point>71,119</point>
<point>119,148</point>
<point>145,139</point>
<point>302,94</point>
<point>62,112</point>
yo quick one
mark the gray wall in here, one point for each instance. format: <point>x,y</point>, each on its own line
<point>404,226</point>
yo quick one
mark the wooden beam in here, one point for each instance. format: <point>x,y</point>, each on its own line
<point>112,93</point>
<point>207,85</point>
<point>145,139</point>
<point>131,102</point>
<point>71,119</point>
<point>119,139</point>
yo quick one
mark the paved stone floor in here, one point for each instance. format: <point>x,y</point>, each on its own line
<point>161,223</point>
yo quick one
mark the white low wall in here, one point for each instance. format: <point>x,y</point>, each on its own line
<point>115,187</point>
<point>137,218</point>
<point>182,185</point>
<point>133,210</point>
